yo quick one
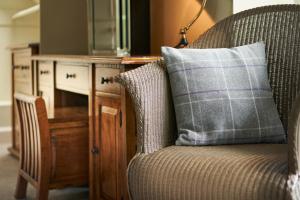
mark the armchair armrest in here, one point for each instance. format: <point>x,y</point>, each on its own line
<point>294,138</point>
<point>148,87</point>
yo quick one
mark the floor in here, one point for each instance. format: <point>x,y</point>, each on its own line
<point>8,177</point>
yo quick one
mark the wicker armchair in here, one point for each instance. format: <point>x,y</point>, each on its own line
<point>163,171</point>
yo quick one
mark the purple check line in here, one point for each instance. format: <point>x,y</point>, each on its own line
<point>224,67</point>
<point>210,91</point>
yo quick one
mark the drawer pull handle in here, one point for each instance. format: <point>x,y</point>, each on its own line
<point>24,67</point>
<point>70,76</point>
<point>45,72</point>
<point>40,93</point>
<point>107,80</point>
<point>95,151</point>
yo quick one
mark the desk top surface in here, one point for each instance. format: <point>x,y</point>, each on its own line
<point>22,46</point>
<point>97,59</point>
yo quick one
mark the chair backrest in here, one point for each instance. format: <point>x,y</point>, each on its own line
<point>34,136</point>
<point>279,27</point>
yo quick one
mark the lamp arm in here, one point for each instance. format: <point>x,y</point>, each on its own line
<point>183,42</point>
<point>186,28</point>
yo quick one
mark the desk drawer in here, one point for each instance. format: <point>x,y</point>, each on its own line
<point>22,57</point>
<point>22,73</point>
<point>46,74</point>
<point>105,80</point>
<point>73,78</point>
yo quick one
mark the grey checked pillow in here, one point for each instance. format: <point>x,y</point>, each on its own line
<point>223,96</point>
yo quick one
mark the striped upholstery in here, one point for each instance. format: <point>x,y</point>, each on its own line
<point>232,172</point>
<point>278,27</point>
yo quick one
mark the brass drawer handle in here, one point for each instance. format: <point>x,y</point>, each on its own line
<point>24,67</point>
<point>70,76</point>
<point>44,72</point>
<point>107,80</point>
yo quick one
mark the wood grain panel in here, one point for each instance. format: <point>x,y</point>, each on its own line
<point>22,57</point>
<point>108,159</point>
<point>22,82</point>
<point>72,77</point>
<point>46,74</point>
<point>108,130</point>
<point>23,87</point>
<point>70,152</point>
<point>22,73</point>
<point>47,93</point>
<point>105,80</point>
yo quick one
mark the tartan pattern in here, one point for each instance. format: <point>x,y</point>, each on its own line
<point>223,96</point>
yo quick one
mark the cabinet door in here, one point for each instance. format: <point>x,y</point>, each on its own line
<point>108,128</point>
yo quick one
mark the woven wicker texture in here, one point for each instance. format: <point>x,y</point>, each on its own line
<point>294,139</point>
<point>150,91</point>
<point>279,27</point>
<point>236,172</point>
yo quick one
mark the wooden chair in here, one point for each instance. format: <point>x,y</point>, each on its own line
<point>44,160</point>
<point>35,151</point>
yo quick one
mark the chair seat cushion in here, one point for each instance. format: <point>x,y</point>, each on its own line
<point>230,172</point>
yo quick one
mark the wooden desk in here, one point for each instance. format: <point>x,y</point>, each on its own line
<point>88,81</point>
<point>22,82</point>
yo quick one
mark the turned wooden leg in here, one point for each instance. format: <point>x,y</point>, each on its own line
<point>21,188</point>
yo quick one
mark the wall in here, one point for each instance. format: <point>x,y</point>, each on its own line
<point>168,16</point>
<point>27,29</point>
<point>5,79</point>
<point>240,5</point>
<point>12,32</point>
<point>64,27</point>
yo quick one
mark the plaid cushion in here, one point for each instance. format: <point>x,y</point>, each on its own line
<point>223,96</point>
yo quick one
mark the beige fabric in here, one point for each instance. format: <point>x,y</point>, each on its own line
<point>231,172</point>
<point>248,172</point>
<point>294,139</point>
<point>277,25</point>
<point>149,90</point>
